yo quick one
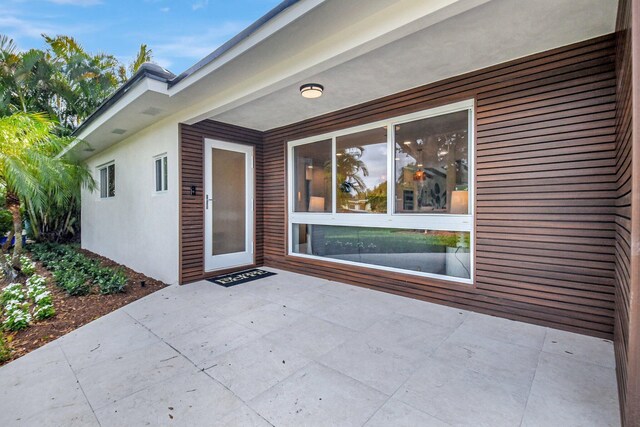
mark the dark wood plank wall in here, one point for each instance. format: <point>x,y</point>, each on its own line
<point>546,179</point>
<point>192,207</point>
<point>627,307</point>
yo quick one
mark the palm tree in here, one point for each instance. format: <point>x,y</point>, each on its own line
<point>31,173</point>
<point>144,55</point>
<point>25,79</point>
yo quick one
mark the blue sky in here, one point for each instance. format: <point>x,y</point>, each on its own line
<point>178,32</point>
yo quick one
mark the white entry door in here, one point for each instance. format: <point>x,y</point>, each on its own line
<point>229,199</point>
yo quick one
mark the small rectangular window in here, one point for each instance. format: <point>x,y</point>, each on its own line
<point>107,181</point>
<point>161,173</point>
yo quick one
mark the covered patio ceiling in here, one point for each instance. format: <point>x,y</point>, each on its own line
<point>489,34</point>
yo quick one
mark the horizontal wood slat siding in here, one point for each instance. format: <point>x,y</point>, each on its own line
<point>626,332</point>
<point>546,189</point>
<point>192,207</point>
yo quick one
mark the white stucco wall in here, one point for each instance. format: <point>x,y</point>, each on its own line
<point>138,227</point>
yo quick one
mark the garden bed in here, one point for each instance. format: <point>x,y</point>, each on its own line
<point>74,311</point>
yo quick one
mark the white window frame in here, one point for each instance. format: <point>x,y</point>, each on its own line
<point>390,219</point>
<point>99,173</point>
<point>164,172</point>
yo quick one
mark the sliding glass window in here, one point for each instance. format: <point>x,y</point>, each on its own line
<point>419,223</point>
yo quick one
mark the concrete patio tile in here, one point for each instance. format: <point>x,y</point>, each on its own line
<point>505,330</point>
<point>311,337</point>
<point>268,318</point>
<point>39,363</point>
<point>412,338</point>
<point>308,301</point>
<point>341,364</point>
<point>580,347</point>
<point>511,364</point>
<point>41,389</point>
<point>108,337</point>
<point>187,400</point>
<point>243,416</point>
<point>440,315</point>
<point>318,396</point>
<point>167,324</point>
<point>283,284</point>
<point>568,392</point>
<point>255,367</point>
<point>376,301</point>
<point>342,290</point>
<point>398,414</point>
<point>111,380</point>
<point>353,316</point>
<point>462,396</point>
<point>302,280</point>
<point>236,302</point>
<point>375,366</point>
<point>171,298</point>
<point>202,345</point>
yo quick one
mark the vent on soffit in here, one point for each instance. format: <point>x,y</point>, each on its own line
<point>152,111</point>
<point>118,131</point>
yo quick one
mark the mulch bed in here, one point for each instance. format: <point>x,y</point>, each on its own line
<point>75,311</point>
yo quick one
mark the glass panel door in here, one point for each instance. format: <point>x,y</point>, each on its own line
<point>229,184</point>
<point>229,202</point>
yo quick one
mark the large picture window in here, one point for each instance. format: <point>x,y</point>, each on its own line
<point>395,194</point>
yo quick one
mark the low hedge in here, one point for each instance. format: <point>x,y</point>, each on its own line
<point>76,273</point>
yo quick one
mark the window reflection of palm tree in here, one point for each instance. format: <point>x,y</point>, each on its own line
<point>350,170</point>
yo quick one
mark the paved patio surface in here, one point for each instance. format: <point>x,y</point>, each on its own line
<point>291,350</point>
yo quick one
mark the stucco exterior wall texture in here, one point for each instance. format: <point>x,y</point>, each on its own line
<point>138,227</point>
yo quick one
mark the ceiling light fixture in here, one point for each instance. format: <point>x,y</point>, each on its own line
<point>311,90</point>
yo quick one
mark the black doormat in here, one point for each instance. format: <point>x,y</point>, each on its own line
<point>232,279</point>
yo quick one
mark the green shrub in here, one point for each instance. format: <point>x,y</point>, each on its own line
<point>110,281</point>
<point>12,292</point>
<point>41,297</point>
<point>77,273</point>
<point>28,267</point>
<point>17,315</point>
<point>74,282</point>
<point>44,312</point>
<point>5,351</point>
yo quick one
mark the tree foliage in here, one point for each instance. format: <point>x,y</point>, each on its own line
<point>44,95</point>
<point>64,80</point>
<point>31,174</point>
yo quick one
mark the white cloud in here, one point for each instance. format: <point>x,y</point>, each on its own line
<point>162,61</point>
<point>83,3</point>
<point>199,45</point>
<point>164,9</point>
<point>200,4</point>
<point>16,27</point>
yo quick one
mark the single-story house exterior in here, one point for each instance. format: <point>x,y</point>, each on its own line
<point>476,153</point>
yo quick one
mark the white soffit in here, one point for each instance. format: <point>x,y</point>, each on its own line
<point>492,33</point>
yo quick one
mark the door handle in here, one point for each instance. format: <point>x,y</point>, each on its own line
<point>207,200</point>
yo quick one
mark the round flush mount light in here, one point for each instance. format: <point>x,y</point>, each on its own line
<point>311,90</point>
